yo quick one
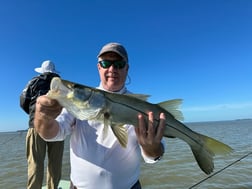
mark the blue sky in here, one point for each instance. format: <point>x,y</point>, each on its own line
<point>197,50</point>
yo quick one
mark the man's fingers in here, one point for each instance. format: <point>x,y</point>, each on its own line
<point>161,126</point>
<point>151,126</point>
<point>45,101</point>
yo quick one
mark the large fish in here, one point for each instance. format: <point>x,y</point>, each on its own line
<point>115,110</point>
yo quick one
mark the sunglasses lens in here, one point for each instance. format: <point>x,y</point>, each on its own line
<point>116,64</point>
<point>105,63</point>
<point>119,64</point>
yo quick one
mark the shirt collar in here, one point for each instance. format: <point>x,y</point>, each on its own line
<point>121,91</point>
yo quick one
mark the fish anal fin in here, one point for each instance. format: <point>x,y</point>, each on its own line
<point>121,134</point>
<point>172,106</point>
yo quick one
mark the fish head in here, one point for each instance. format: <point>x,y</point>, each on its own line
<point>77,91</point>
<point>60,88</point>
<point>57,89</point>
<point>82,101</point>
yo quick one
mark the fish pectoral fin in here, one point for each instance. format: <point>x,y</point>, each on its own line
<point>172,106</point>
<point>106,122</point>
<point>121,134</point>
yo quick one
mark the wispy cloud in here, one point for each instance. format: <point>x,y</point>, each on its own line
<point>231,106</point>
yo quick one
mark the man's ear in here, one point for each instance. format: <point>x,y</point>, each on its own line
<point>127,67</point>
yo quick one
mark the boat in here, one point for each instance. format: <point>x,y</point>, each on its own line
<point>64,184</point>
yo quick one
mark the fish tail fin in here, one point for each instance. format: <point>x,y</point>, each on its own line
<point>204,154</point>
<point>121,134</point>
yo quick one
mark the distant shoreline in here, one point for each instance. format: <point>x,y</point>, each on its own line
<point>18,131</point>
<point>190,122</point>
<point>244,119</point>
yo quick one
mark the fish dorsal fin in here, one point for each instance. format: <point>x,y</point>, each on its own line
<point>121,134</point>
<point>172,106</point>
<point>143,97</point>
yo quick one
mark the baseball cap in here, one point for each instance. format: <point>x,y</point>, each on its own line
<point>114,47</point>
<point>46,66</point>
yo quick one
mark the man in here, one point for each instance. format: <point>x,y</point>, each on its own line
<point>35,145</point>
<point>98,163</point>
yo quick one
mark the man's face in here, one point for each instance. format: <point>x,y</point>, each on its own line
<point>113,77</point>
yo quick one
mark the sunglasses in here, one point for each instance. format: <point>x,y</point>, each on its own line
<point>118,64</point>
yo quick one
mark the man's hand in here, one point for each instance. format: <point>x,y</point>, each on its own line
<point>45,113</point>
<point>149,137</point>
<point>47,107</point>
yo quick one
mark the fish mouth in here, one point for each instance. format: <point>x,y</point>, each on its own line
<point>59,87</point>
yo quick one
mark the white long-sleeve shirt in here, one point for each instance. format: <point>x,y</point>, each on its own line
<point>98,162</point>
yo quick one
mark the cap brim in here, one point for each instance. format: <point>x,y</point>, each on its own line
<point>39,70</point>
<point>114,51</point>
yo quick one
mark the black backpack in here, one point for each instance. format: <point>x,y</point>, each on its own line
<point>36,87</point>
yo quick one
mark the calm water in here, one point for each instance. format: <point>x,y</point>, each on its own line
<point>177,170</point>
